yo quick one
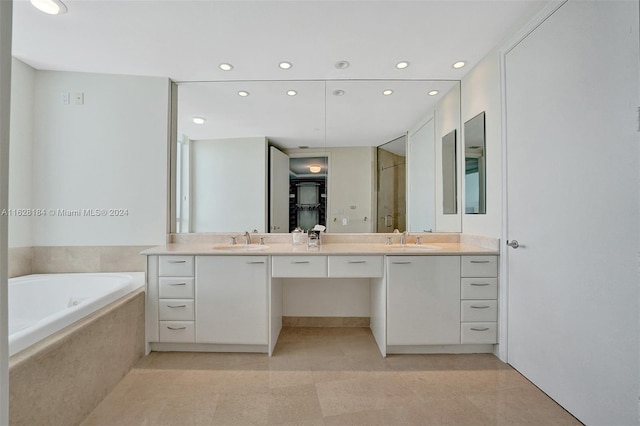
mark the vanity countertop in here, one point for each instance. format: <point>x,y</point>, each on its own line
<point>430,248</point>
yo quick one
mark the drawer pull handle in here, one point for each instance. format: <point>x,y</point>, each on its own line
<point>480,261</point>
<point>176,306</point>
<point>357,261</point>
<point>175,284</point>
<point>176,328</point>
<point>176,261</point>
<point>480,329</point>
<point>480,284</point>
<point>401,263</point>
<point>300,261</point>
<point>256,262</point>
<point>480,307</point>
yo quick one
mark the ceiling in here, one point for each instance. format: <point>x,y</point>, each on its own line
<point>186,41</point>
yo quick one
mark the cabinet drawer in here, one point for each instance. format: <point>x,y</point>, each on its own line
<point>299,266</point>
<point>479,288</point>
<point>176,288</point>
<point>479,332</point>
<point>355,266</point>
<point>175,266</point>
<point>176,309</point>
<point>479,266</point>
<point>177,331</point>
<point>479,310</point>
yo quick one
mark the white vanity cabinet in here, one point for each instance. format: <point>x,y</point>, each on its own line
<point>423,300</point>
<point>479,304</point>
<point>231,300</point>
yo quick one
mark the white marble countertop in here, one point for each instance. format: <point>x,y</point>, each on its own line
<point>430,248</point>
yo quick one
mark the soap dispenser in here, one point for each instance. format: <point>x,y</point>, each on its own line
<point>296,236</point>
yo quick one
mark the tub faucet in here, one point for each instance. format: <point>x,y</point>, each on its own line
<point>247,238</point>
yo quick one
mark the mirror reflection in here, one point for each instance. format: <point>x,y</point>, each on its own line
<point>449,174</point>
<point>392,185</point>
<point>474,159</point>
<point>245,149</point>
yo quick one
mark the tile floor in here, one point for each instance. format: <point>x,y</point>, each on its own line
<point>325,376</point>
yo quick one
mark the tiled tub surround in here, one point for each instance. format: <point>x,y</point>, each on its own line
<point>211,271</point>
<point>60,259</point>
<point>61,379</point>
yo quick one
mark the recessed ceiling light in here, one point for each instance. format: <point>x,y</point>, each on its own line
<point>243,93</point>
<point>387,92</point>
<point>291,92</point>
<point>315,169</point>
<point>338,92</point>
<point>198,120</point>
<point>342,65</point>
<point>433,93</point>
<point>459,64</point>
<point>52,7</point>
<point>402,65</point>
<point>225,67</point>
<point>285,65</point>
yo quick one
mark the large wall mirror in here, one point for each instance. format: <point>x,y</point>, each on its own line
<point>272,155</point>
<point>475,165</point>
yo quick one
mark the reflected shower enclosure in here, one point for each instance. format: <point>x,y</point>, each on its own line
<point>392,186</point>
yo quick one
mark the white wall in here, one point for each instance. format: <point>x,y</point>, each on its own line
<point>229,185</point>
<point>447,119</point>
<point>5,88</point>
<point>336,297</point>
<point>20,152</point>
<point>481,92</point>
<point>109,153</point>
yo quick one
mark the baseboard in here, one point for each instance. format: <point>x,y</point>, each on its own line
<point>325,321</point>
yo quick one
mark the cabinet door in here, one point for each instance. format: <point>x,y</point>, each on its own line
<point>231,300</point>
<point>423,300</point>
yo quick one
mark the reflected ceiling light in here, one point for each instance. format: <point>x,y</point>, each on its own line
<point>198,120</point>
<point>338,92</point>
<point>225,67</point>
<point>342,65</point>
<point>433,93</point>
<point>402,65</point>
<point>291,92</point>
<point>52,7</point>
<point>285,65</point>
<point>243,93</point>
<point>315,169</point>
<point>459,64</point>
<point>387,92</point>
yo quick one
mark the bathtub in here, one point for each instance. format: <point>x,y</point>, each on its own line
<point>41,305</point>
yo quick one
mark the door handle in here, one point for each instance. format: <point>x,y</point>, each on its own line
<point>513,244</point>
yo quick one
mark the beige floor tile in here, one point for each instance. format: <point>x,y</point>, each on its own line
<point>294,403</point>
<point>325,376</point>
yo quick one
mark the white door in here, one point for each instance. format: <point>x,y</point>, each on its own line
<point>421,179</point>
<point>572,205</point>
<point>278,191</point>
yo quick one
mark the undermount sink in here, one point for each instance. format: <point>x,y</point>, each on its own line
<point>240,247</point>
<point>414,247</point>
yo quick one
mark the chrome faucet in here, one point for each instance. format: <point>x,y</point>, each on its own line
<point>247,238</point>
<point>403,238</point>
